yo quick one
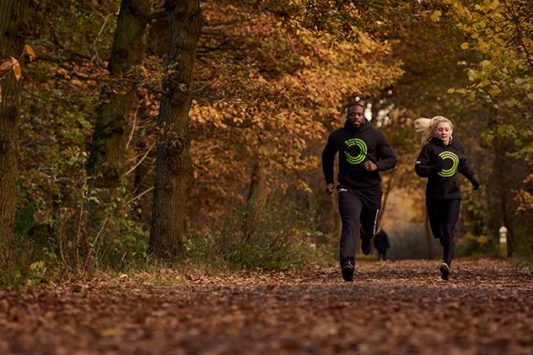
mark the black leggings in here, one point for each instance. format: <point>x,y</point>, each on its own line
<point>355,217</point>
<point>443,216</point>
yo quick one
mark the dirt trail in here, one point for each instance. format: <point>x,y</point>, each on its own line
<point>395,307</point>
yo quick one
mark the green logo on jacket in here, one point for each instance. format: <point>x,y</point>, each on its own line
<point>361,155</point>
<point>455,163</point>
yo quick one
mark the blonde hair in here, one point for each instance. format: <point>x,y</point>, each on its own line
<point>428,126</point>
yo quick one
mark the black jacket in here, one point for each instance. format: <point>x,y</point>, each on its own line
<point>440,164</point>
<point>357,145</point>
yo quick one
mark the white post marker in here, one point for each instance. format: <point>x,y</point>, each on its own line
<point>503,240</point>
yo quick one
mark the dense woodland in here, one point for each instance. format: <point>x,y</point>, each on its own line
<point>134,131</point>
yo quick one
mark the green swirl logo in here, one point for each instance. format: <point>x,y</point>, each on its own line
<point>359,158</point>
<point>455,163</point>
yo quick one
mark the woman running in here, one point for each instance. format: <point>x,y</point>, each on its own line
<point>439,160</point>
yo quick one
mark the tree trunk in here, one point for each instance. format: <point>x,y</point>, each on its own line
<point>256,201</point>
<point>11,45</point>
<point>173,161</point>
<point>107,151</point>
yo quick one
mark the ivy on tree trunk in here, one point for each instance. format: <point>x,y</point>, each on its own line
<point>173,161</point>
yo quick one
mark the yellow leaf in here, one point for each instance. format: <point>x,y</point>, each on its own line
<point>110,332</point>
<point>31,53</point>
<point>494,90</point>
<point>464,45</point>
<point>483,83</point>
<point>37,265</point>
<point>483,46</point>
<point>435,16</point>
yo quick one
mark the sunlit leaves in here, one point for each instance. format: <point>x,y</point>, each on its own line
<point>273,93</point>
<point>499,33</point>
<point>497,30</point>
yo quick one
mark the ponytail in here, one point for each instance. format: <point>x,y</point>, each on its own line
<point>428,126</point>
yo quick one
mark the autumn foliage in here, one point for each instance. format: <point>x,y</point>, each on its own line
<point>268,84</point>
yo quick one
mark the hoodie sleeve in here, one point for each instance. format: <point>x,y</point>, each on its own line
<point>424,166</point>
<point>464,168</point>
<point>386,158</point>
<point>328,159</point>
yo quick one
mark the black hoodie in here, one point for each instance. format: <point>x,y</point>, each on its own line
<point>440,164</point>
<point>357,145</point>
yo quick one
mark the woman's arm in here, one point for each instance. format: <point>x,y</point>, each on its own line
<point>426,165</point>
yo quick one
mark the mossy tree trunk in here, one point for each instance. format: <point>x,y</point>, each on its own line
<point>107,151</point>
<point>173,161</point>
<point>11,45</point>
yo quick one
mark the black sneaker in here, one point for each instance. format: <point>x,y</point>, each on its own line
<point>347,271</point>
<point>366,245</point>
<point>444,271</point>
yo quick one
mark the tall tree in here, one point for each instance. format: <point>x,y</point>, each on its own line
<point>106,159</point>
<point>11,46</point>
<point>173,161</point>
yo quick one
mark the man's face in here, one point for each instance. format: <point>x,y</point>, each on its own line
<point>356,116</point>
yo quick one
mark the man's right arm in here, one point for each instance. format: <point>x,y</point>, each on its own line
<point>386,157</point>
<point>328,162</point>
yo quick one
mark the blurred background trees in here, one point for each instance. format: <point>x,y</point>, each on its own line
<point>268,84</point>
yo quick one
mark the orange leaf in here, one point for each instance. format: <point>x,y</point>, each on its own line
<point>11,64</point>
<point>16,69</point>
<point>6,66</point>
<point>31,53</point>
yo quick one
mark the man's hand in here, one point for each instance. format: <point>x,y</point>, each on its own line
<point>330,188</point>
<point>475,183</point>
<point>370,165</point>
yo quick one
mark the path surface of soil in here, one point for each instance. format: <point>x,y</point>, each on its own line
<point>395,307</point>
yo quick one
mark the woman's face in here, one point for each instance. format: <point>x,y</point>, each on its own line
<point>444,131</point>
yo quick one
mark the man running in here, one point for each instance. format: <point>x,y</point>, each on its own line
<point>364,152</point>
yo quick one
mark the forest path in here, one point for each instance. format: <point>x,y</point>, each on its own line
<point>395,307</point>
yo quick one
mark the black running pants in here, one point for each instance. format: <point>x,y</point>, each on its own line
<point>355,218</point>
<point>443,216</point>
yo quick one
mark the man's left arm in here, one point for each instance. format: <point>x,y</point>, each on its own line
<point>386,157</point>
